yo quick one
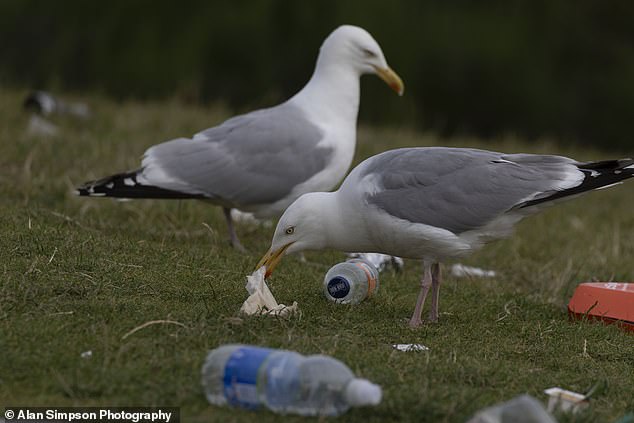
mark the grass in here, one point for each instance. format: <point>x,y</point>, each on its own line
<point>79,274</point>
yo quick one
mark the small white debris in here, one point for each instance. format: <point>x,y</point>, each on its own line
<point>86,354</point>
<point>380,261</point>
<point>110,185</point>
<point>566,401</point>
<point>410,347</point>
<point>461,271</point>
<point>41,127</point>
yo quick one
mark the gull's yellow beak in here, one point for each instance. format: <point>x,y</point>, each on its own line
<point>271,258</point>
<point>391,78</point>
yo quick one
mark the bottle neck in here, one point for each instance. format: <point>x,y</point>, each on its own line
<point>361,392</point>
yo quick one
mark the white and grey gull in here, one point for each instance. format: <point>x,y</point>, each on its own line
<point>262,161</point>
<point>434,204</point>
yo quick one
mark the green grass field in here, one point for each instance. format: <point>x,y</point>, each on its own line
<point>79,274</point>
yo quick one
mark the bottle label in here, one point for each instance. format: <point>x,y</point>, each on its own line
<point>369,276</point>
<point>241,374</point>
<point>338,287</point>
<point>283,380</point>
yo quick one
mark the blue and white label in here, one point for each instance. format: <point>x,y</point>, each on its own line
<point>241,375</point>
<point>338,287</point>
<point>283,380</point>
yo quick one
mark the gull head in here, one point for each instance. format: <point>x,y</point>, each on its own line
<point>355,47</point>
<point>301,227</point>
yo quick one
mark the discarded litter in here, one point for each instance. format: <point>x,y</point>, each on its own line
<point>380,261</point>
<point>86,354</point>
<point>42,105</point>
<point>410,347</point>
<point>351,282</point>
<point>45,104</point>
<point>260,300</point>
<point>283,381</point>
<point>607,301</point>
<point>41,127</point>
<point>566,401</point>
<point>461,271</point>
<point>523,408</point>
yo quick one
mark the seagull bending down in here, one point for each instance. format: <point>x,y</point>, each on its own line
<point>262,161</point>
<point>434,204</point>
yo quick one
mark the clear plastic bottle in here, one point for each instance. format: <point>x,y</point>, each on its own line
<point>351,282</point>
<point>283,381</point>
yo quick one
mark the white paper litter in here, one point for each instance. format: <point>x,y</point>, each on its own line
<point>86,354</point>
<point>410,347</point>
<point>260,300</point>
<point>461,271</point>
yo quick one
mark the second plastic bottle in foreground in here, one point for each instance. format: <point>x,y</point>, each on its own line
<point>284,381</point>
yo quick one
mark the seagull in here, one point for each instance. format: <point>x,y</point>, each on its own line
<point>434,204</point>
<point>262,161</point>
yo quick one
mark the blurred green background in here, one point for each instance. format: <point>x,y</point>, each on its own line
<point>546,68</point>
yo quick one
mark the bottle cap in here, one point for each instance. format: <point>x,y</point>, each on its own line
<point>361,392</point>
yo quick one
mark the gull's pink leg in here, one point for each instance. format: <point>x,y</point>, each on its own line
<point>435,292</point>
<point>425,283</point>
<point>233,237</point>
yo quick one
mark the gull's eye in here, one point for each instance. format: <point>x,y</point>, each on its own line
<point>290,230</point>
<point>369,53</point>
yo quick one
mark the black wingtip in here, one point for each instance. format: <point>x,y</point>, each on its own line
<point>608,165</point>
<point>597,175</point>
<point>126,185</point>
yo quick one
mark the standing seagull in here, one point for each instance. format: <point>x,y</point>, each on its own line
<point>434,204</point>
<point>262,161</point>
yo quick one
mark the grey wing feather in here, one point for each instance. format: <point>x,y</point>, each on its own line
<point>255,158</point>
<point>461,189</point>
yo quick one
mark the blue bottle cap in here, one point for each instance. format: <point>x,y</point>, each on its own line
<point>338,287</point>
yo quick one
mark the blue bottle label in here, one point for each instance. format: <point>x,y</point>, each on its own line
<point>282,380</point>
<point>338,287</point>
<point>241,374</point>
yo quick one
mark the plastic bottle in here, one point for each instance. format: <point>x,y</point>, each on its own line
<point>283,381</point>
<point>351,282</point>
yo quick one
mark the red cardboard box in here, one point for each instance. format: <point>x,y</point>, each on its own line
<point>607,301</point>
